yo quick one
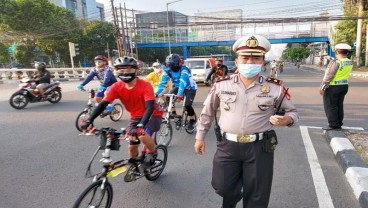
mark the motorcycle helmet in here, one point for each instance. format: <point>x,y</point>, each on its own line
<point>126,61</point>
<point>100,57</point>
<point>40,65</point>
<point>173,61</point>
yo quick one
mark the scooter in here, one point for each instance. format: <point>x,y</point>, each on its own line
<point>28,94</point>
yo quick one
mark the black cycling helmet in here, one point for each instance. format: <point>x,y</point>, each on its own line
<point>40,65</point>
<point>100,57</point>
<point>172,60</point>
<point>126,61</point>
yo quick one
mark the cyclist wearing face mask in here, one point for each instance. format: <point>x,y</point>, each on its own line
<point>183,84</point>
<point>139,100</point>
<point>218,71</point>
<point>103,73</point>
<point>155,76</point>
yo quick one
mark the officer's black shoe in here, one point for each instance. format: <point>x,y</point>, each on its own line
<point>240,197</point>
<point>327,128</point>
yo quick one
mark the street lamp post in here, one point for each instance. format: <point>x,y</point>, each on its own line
<point>168,25</point>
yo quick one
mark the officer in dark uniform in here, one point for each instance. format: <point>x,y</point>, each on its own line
<point>245,149</point>
<point>335,86</point>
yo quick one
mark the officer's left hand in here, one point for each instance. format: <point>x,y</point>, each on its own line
<point>281,120</point>
<point>199,147</point>
<point>321,92</point>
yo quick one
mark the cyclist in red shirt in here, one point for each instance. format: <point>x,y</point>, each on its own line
<point>139,100</point>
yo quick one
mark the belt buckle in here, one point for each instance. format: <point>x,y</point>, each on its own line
<point>243,139</point>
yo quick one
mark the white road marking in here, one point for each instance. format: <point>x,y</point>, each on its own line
<point>323,194</point>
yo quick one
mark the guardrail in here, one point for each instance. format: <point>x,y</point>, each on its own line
<point>56,73</point>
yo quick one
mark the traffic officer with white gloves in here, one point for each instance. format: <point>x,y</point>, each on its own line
<point>335,86</point>
<point>247,103</point>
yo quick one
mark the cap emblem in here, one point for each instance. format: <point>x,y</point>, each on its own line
<point>252,42</point>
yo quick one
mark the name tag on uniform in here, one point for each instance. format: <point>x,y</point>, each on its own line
<point>341,82</point>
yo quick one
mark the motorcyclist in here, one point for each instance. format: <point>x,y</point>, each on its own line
<point>104,74</point>
<point>183,84</point>
<point>219,70</point>
<point>42,78</point>
<point>138,98</point>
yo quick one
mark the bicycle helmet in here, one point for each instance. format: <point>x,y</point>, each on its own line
<point>156,64</point>
<point>40,65</point>
<point>126,61</point>
<point>100,57</point>
<point>173,61</point>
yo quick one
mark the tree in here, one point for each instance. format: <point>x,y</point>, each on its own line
<point>296,53</point>
<point>4,54</point>
<point>94,38</point>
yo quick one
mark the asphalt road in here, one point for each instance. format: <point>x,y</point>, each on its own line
<point>43,160</point>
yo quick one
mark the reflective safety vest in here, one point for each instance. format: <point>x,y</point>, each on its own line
<point>343,72</point>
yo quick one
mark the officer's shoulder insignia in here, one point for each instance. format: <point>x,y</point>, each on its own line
<point>226,77</point>
<point>275,81</point>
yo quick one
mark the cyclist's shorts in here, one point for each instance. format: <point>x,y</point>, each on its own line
<point>152,126</point>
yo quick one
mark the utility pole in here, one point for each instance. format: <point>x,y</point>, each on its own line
<point>123,30</point>
<point>116,33</point>
<point>359,34</point>
<point>366,45</point>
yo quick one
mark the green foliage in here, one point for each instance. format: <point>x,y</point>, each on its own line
<point>94,38</point>
<point>24,54</point>
<point>296,54</point>
<point>4,55</point>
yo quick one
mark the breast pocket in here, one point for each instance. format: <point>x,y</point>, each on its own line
<point>228,103</point>
<point>264,103</point>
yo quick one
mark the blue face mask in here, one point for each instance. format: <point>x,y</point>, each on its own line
<point>249,70</point>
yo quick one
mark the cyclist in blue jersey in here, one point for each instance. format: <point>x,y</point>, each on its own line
<point>183,84</point>
<point>104,74</point>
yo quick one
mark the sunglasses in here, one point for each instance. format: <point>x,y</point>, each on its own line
<point>99,61</point>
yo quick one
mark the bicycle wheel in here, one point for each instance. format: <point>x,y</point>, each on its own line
<point>81,119</point>
<point>164,135</point>
<point>186,123</point>
<point>96,196</point>
<point>117,112</point>
<point>155,171</point>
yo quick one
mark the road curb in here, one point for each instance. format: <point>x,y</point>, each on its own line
<point>353,166</point>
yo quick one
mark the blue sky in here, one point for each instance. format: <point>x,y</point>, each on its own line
<point>251,8</point>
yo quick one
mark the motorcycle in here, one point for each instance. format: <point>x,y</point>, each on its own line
<point>28,94</point>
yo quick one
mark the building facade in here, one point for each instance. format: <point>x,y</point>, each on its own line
<point>156,26</point>
<point>88,9</point>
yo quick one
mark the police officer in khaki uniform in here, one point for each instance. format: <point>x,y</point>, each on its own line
<point>335,86</point>
<point>247,101</point>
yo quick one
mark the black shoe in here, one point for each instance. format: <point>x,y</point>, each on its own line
<point>191,125</point>
<point>240,197</point>
<point>327,128</point>
<point>149,160</point>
